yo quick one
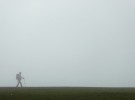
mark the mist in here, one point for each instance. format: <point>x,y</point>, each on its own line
<point>68,42</point>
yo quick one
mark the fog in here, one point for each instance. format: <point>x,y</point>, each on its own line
<point>68,42</point>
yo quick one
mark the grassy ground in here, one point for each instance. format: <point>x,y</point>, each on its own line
<point>66,93</point>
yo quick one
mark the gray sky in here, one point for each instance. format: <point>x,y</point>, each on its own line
<point>68,42</point>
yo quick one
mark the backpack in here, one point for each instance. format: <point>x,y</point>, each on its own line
<point>17,76</point>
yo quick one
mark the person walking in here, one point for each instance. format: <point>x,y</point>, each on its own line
<point>19,78</point>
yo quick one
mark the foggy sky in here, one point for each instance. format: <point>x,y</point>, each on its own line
<point>68,42</point>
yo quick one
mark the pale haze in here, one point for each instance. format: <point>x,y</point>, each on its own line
<point>68,42</point>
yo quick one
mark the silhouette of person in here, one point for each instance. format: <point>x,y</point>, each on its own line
<point>19,78</point>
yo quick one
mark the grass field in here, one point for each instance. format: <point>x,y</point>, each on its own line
<point>66,93</point>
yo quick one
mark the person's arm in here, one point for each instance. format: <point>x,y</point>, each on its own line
<point>22,77</point>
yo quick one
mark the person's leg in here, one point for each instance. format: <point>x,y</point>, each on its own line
<point>17,84</point>
<point>20,83</point>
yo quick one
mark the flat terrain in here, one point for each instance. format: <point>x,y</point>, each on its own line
<point>66,93</point>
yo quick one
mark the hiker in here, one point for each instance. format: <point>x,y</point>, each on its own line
<point>19,78</point>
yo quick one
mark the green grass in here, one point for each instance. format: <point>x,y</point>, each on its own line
<point>66,93</point>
